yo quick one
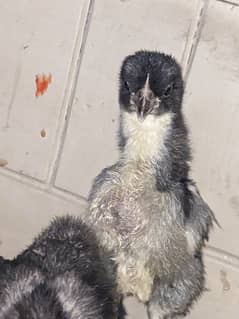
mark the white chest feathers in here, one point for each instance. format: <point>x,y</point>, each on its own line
<point>145,139</point>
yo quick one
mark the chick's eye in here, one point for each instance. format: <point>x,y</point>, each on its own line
<point>168,90</point>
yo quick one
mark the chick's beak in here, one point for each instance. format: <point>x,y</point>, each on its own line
<point>143,108</point>
<point>144,100</point>
<point>144,103</point>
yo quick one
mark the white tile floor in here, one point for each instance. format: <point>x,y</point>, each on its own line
<point>82,46</point>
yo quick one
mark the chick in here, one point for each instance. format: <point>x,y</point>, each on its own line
<point>60,276</point>
<point>144,208</point>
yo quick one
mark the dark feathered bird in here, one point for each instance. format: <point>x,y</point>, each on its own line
<point>144,208</point>
<point>60,276</point>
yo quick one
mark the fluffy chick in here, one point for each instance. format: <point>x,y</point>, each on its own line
<point>60,276</point>
<point>144,208</point>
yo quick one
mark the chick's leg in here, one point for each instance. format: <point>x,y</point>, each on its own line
<point>173,300</point>
<point>121,309</point>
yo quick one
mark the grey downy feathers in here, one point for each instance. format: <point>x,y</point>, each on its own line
<point>60,276</point>
<point>144,208</point>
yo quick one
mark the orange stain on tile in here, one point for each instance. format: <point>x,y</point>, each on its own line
<point>42,82</point>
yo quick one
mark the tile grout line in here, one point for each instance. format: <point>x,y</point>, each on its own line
<point>68,195</point>
<point>193,37</point>
<point>6,171</point>
<point>230,2</point>
<point>70,90</point>
<point>222,257</point>
<point>42,187</point>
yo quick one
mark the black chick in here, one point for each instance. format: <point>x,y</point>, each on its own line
<point>144,208</point>
<point>60,276</point>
